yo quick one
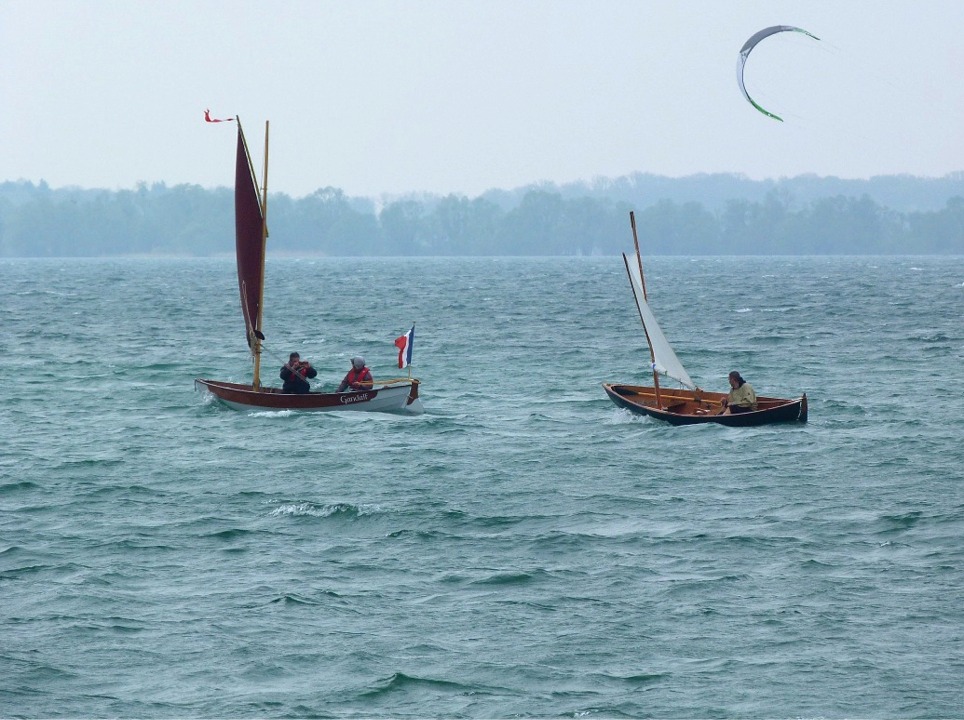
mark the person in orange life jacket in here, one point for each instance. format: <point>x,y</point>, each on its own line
<point>296,373</point>
<point>358,378</point>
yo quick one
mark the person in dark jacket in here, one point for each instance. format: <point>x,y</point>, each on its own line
<point>296,373</point>
<point>358,378</point>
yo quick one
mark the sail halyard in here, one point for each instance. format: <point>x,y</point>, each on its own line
<point>250,247</point>
<point>664,360</point>
<point>642,282</point>
<point>259,336</point>
<point>637,294</point>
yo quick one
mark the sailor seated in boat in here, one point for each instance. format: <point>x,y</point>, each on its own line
<point>741,398</point>
<point>358,378</point>
<point>295,374</point>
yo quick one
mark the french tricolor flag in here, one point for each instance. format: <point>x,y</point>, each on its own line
<point>404,345</point>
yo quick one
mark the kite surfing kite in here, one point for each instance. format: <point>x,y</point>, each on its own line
<point>745,53</point>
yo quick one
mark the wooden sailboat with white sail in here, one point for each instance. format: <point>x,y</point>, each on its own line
<point>398,395</point>
<point>688,404</point>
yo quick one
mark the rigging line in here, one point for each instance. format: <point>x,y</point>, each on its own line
<point>389,381</point>
<point>275,358</point>
<point>840,89</point>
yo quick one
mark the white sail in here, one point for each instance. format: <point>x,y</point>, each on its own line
<point>665,360</point>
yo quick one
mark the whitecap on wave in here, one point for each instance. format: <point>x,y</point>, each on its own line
<point>272,413</point>
<point>622,416</point>
<point>311,509</point>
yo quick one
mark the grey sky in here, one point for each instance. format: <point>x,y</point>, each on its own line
<point>461,96</point>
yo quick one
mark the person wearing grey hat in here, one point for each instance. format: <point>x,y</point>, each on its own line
<point>358,378</point>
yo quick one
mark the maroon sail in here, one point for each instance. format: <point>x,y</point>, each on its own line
<point>249,238</point>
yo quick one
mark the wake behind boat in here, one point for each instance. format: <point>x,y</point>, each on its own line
<point>689,404</point>
<point>397,395</point>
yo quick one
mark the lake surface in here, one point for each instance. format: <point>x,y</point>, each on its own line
<point>524,548</point>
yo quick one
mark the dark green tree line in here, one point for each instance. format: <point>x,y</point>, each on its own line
<point>37,221</point>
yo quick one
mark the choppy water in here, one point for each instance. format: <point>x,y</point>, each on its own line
<point>522,549</point>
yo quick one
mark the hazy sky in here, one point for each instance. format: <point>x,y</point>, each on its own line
<point>462,96</point>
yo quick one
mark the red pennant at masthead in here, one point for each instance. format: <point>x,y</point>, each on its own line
<point>208,118</point>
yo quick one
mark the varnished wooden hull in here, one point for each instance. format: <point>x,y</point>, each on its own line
<point>687,407</point>
<point>399,398</point>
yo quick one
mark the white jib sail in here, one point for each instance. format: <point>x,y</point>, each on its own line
<point>666,363</point>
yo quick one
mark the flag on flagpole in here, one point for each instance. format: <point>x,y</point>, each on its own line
<point>404,345</point>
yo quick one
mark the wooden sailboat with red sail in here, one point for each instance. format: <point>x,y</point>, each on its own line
<point>688,404</point>
<point>398,395</point>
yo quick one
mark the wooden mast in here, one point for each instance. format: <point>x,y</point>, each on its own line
<point>256,380</point>
<point>642,279</point>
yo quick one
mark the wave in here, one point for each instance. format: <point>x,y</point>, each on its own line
<point>232,533</point>
<point>400,681</point>
<point>18,486</point>
<point>506,579</point>
<point>345,511</point>
<point>294,599</point>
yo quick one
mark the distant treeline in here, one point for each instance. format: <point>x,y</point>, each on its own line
<point>698,215</point>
